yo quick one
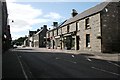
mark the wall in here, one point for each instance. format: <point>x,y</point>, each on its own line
<point>59,31</point>
<point>0,39</point>
<point>94,31</point>
<point>72,27</point>
<point>110,17</point>
<point>0,25</point>
<point>55,32</point>
<point>64,30</point>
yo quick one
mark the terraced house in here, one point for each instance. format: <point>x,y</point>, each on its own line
<point>96,29</point>
<point>5,34</point>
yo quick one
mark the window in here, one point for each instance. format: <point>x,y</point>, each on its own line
<point>78,26</point>
<point>52,33</point>
<point>87,40</point>
<point>57,32</point>
<point>87,25</point>
<point>67,29</point>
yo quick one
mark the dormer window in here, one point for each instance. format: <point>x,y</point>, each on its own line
<point>87,23</point>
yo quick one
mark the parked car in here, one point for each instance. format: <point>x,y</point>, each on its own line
<point>14,46</point>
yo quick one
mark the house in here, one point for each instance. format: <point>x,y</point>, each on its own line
<point>54,36</point>
<point>26,43</point>
<point>31,38</point>
<point>5,34</point>
<point>40,37</point>
<point>96,29</point>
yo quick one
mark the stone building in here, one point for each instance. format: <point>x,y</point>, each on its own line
<point>26,43</point>
<point>96,29</point>
<point>31,38</point>
<point>40,37</point>
<point>4,27</point>
<point>54,36</point>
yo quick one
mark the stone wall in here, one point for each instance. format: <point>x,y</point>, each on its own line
<point>94,31</point>
<point>111,28</point>
<point>64,30</point>
<point>72,27</point>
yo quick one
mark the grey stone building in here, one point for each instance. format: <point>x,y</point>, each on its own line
<point>4,27</point>
<point>53,36</point>
<point>96,29</point>
<point>26,43</point>
<point>40,37</point>
<point>31,38</point>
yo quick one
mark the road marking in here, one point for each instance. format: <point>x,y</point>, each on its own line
<point>67,60</point>
<point>113,63</point>
<point>105,71</point>
<point>88,59</point>
<point>73,56</point>
<point>22,68</point>
<point>57,58</point>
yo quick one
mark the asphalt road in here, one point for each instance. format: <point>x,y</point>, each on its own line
<point>43,64</point>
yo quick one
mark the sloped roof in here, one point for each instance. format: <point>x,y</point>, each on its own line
<point>39,31</point>
<point>88,12</point>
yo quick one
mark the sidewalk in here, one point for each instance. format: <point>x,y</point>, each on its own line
<point>97,55</point>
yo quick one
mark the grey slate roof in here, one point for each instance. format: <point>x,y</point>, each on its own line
<point>39,31</point>
<point>88,12</point>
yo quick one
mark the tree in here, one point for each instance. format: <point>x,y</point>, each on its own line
<point>19,41</point>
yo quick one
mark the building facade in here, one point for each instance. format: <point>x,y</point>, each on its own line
<point>37,38</point>
<point>96,29</point>
<point>31,38</point>
<point>6,35</point>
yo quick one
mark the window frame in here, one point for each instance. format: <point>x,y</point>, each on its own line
<point>87,23</point>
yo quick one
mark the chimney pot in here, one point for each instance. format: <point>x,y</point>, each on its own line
<point>55,24</point>
<point>74,13</point>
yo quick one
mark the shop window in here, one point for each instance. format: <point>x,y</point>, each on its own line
<point>87,23</point>
<point>87,40</point>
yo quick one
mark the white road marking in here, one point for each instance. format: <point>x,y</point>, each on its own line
<point>113,63</point>
<point>88,59</point>
<point>105,71</point>
<point>73,56</point>
<point>57,58</point>
<point>67,60</point>
<point>22,68</point>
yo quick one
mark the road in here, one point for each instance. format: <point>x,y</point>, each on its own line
<point>44,64</point>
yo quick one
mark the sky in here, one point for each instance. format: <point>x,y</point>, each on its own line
<point>33,14</point>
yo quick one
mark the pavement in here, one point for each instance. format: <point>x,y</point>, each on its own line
<point>97,55</point>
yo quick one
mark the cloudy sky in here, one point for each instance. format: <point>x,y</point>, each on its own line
<point>33,14</point>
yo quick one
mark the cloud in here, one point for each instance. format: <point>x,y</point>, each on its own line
<point>53,15</point>
<point>25,16</point>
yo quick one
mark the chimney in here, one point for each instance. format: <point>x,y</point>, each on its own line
<point>38,30</point>
<point>74,13</point>
<point>41,27</point>
<point>55,24</point>
<point>45,26</point>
